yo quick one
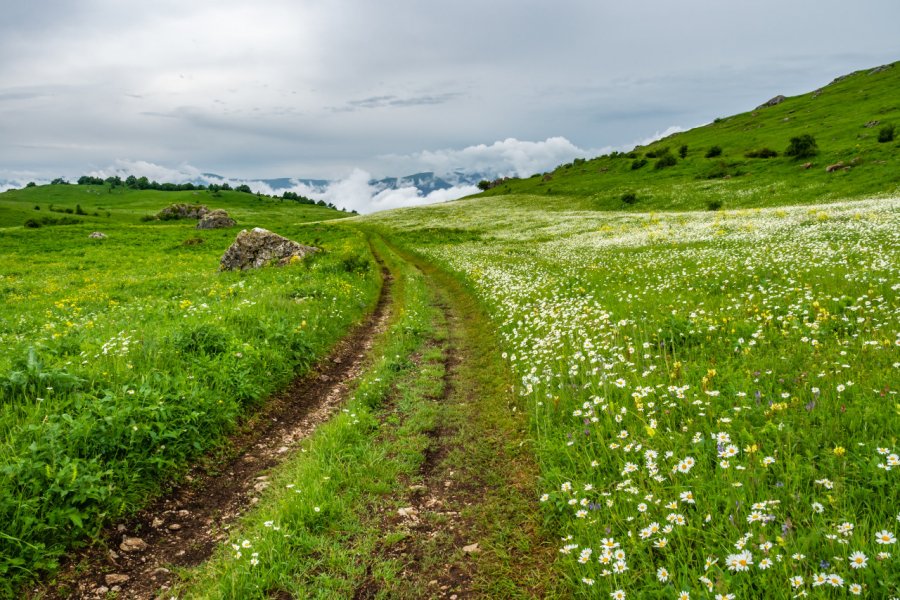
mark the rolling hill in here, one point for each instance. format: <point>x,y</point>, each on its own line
<point>846,118</point>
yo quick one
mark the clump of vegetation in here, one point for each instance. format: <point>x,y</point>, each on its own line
<point>667,160</point>
<point>886,134</point>
<point>762,153</point>
<point>683,150</point>
<point>629,198</point>
<point>637,164</point>
<point>803,146</point>
<point>714,204</point>
<point>721,170</point>
<point>50,221</point>
<point>714,151</point>
<point>659,152</point>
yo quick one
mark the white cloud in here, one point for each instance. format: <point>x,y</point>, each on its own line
<point>152,171</point>
<point>509,157</point>
<point>354,192</point>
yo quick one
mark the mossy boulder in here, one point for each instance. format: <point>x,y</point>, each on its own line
<point>182,211</point>
<point>216,219</point>
<point>260,247</point>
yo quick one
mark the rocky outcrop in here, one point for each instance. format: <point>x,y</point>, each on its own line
<point>773,102</point>
<point>182,211</point>
<point>259,247</point>
<point>216,219</point>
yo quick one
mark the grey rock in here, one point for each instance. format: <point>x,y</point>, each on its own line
<point>773,102</point>
<point>259,247</point>
<point>98,236</point>
<point>216,219</point>
<point>182,211</point>
<point>881,69</point>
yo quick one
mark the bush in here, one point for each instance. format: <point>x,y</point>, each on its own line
<point>629,198</point>
<point>32,224</point>
<point>638,164</point>
<point>665,161</point>
<point>37,207</point>
<point>714,205</point>
<point>803,146</point>
<point>30,184</point>
<point>886,134</point>
<point>762,153</point>
<point>79,210</point>
<point>658,153</point>
<point>714,152</point>
<point>682,152</point>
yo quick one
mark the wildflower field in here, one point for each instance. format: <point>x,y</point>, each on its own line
<point>123,359</point>
<point>713,396</point>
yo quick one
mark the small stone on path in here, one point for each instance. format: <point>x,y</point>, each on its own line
<point>132,544</point>
<point>116,578</point>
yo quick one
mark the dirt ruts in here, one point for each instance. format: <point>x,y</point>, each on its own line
<point>182,528</point>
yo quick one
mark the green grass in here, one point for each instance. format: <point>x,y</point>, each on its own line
<point>836,117</point>
<point>680,334</point>
<point>124,358</point>
<point>104,206</point>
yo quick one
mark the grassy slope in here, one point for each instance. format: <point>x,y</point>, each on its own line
<point>126,206</point>
<point>121,359</point>
<point>836,116</point>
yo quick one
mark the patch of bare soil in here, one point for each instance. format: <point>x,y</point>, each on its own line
<point>135,558</point>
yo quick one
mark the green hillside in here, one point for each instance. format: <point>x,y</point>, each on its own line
<point>846,119</point>
<point>104,206</point>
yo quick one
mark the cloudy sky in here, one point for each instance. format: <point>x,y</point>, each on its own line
<point>340,88</point>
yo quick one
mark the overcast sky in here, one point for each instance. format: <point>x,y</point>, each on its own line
<point>318,88</point>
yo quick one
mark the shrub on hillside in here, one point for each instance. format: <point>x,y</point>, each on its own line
<point>803,146</point>
<point>762,153</point>
<point>638,164</point>
<point>714,205</point>
<point>886,134</point>
<point>629,198</point>
<point>714,151</point>
<point>682,152</point>
<point>667,160</point>
<point>658,153</point>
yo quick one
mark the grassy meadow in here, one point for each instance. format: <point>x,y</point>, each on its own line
<point>123,358</point>
<point>703,348</point>
<point>712,395</point>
